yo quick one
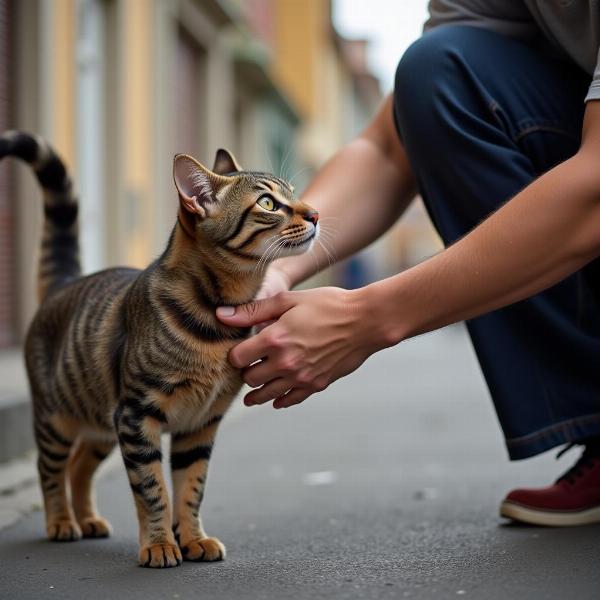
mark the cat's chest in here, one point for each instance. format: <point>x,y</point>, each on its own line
<point>201,385</point>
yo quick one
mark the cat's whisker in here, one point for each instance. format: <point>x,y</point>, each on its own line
<point>330,260</point>
<point>329,239</point>
<point>327,233</point>
<point>266,258</point>
<point>268,157</point>
<point>278,250</point>
<point>287,154</point>
<point>265,254</point>
<point>315,258</point>
<point>323,224</point>
<point>328,252</point>
<point>297,174</point>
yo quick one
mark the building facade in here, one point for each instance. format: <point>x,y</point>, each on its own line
<point>120,86</point>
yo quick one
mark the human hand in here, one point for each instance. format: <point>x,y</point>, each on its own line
<point>316,337</point>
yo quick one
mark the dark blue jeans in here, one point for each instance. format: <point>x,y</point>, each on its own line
<point>482,115</point>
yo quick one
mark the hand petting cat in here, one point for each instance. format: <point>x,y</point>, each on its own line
<point>314,337</point>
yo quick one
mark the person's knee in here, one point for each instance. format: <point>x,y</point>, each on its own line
<point>426,76</point>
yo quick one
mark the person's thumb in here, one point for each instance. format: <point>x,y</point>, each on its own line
<point>255,312</point>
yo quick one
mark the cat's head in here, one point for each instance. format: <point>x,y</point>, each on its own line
<point>247,215</point>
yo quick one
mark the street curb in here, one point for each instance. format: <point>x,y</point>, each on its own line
<point>16,434</point>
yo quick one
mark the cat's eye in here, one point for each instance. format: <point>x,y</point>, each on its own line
<point>267,203</point>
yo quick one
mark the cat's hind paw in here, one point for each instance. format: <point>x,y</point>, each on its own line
<point>95,527</point>
<point>207,549</point>
<point>160,556</point>
<point>64,530</point>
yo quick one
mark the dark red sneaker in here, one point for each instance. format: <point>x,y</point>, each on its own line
<point>573,500</point>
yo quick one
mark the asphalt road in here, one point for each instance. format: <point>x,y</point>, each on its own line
<point>384,486</point>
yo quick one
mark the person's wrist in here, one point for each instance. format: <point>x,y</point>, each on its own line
<point>379,313</point>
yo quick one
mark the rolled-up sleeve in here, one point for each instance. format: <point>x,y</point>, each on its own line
<point>594,91</point>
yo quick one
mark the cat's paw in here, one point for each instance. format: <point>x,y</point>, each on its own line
<point>95,527</point>
<point>64,530</point>
<point>160,556</point>
<point>207,549</point>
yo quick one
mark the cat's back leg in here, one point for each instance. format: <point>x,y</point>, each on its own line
<point>54,431</point>
<point>86,457</point>
<point>54,436</point>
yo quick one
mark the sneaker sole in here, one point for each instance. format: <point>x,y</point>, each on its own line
<point>549,518</point>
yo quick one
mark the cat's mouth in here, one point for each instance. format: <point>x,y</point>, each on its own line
<point>298,243</point>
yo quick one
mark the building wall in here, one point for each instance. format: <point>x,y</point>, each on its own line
<point>7,219</point>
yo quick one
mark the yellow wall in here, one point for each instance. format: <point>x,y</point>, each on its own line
<point>307,63</point>
<point>301,31</point>
<point>62,82</point>
<point>137,132</point>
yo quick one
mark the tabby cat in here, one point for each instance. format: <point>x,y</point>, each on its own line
<point>123,355</point>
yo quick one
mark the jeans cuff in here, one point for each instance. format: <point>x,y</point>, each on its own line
<point>558,434</point>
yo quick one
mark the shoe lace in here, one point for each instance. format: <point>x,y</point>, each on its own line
<point>586,461</point>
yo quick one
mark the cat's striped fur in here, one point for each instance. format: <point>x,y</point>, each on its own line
<point>123,355</point>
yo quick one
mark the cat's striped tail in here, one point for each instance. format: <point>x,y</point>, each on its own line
<point>59,258</point>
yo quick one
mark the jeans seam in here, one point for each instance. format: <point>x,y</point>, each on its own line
<point>504,124</point>
<point>562,426</point>
<point>517,133</point>
<point>535,128</point>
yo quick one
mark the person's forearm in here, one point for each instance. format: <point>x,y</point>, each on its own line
<point>359,194</point>
<point>549,230</point>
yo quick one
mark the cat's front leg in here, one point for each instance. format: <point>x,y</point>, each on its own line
<point>190,453</point>
<point>139,425</point>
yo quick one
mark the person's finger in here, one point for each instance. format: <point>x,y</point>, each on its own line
<point>294,396</point>
<point>269,391</point>
<point>260,373</point>
<point>249,351</point>
<point>256,311</point>
<point>261,326</point>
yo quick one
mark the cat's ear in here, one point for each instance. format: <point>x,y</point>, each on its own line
<point>196,185</point>
<point>225,162</point>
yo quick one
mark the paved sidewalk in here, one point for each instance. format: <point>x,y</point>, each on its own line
<point>15,409</point>
<point>385,486</point>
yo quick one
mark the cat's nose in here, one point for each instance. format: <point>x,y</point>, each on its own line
<point>312,216</point>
